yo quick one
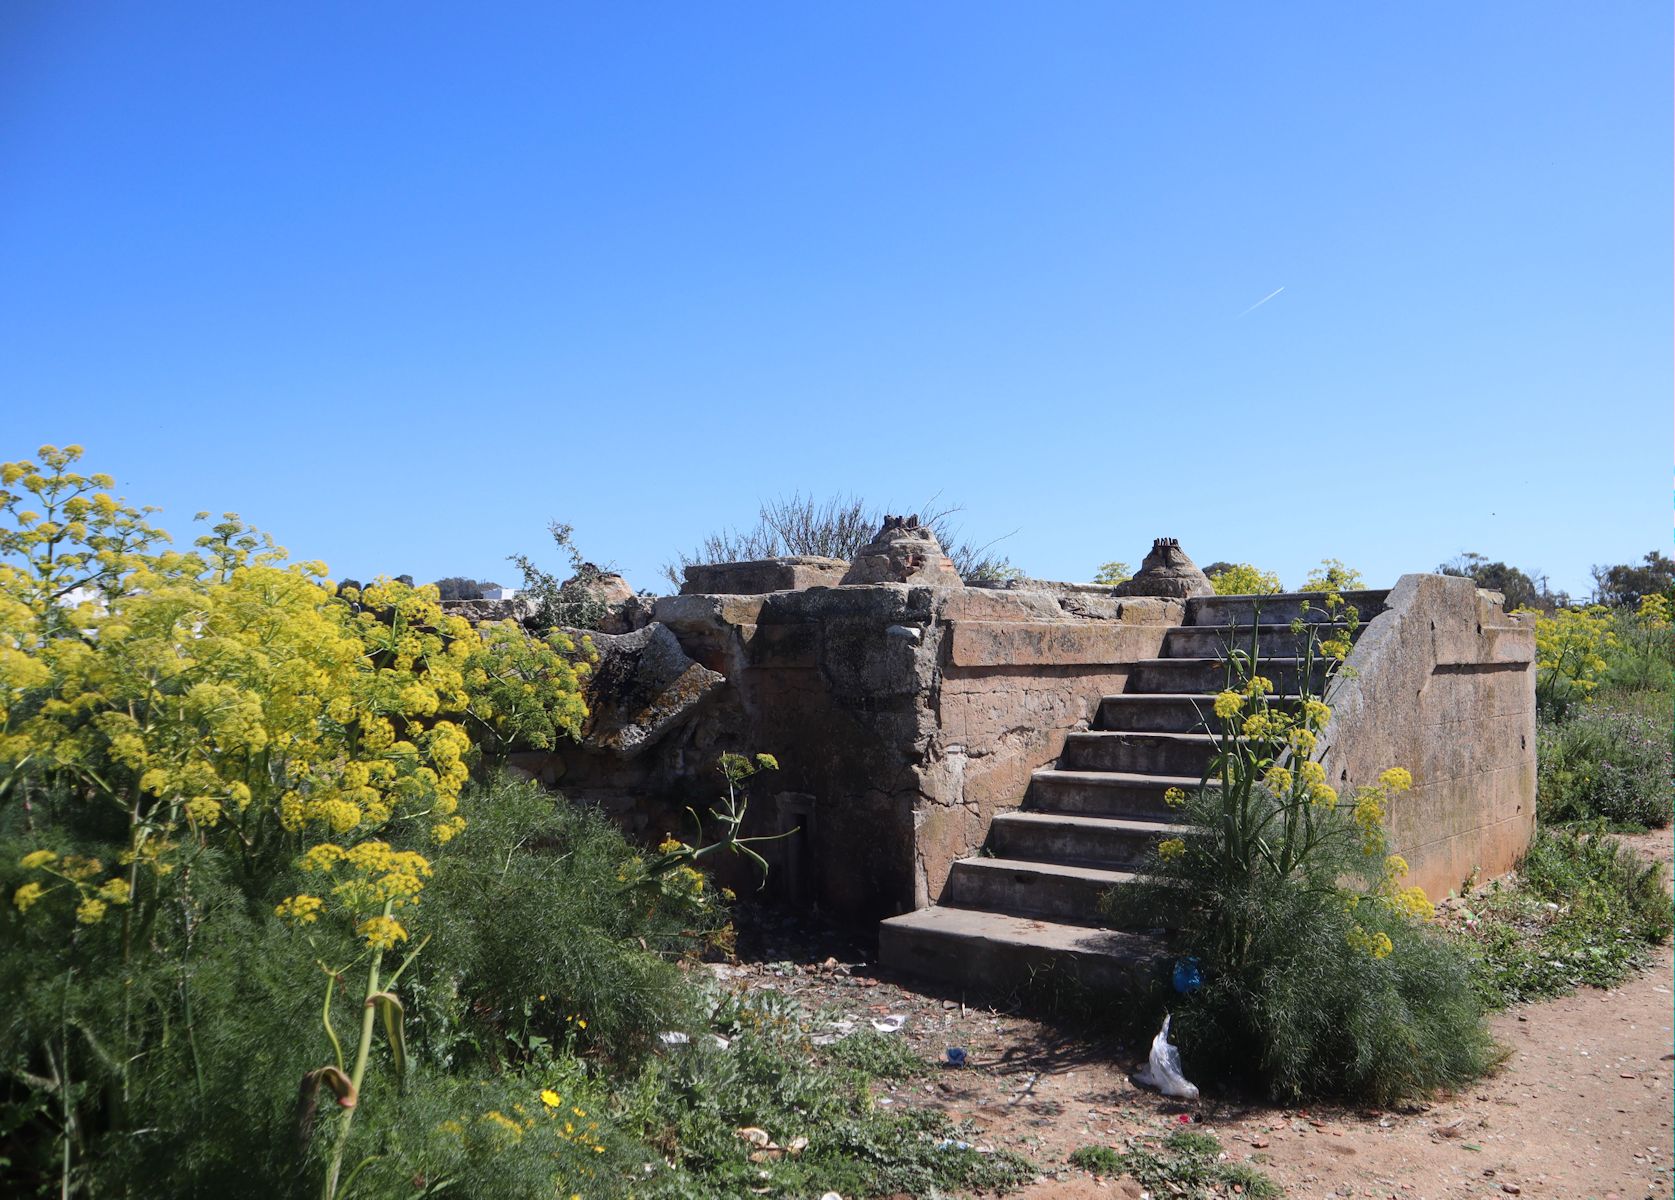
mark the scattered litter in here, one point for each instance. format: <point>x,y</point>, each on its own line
<point>839,1030</point>
<point>1189,977</point>
<point>956,1056</point>
<point>754,1134</point>
<point>673,1039</point>
<point>830,1196</point>
<point>889,1024</point>
<point>1162,1071</point>
<point>953,1144</point>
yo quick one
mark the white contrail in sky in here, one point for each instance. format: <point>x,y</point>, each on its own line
<point>1262,301</point>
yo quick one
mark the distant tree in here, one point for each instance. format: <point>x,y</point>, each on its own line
<point>1521,589</point>
<point>458,587</point>
<point>1113,573</point>
<point>1242,579</point>
<point>1623,585</point>
<point>1332,575</point>
<point>836,527</point>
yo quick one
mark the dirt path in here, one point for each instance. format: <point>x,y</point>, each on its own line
<point>1581,1109</point>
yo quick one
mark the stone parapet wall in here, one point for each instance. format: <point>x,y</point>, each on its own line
<point>1442,682</point>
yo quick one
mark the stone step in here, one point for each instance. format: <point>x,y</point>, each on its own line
<point>991,951</point>
<point>1179,676</point>
<point>1120,841</point>
<point>1105,793</point>
<point>1141,753</point>
<point>1162,712</point>
<point>1272,641</point>
<point>1281,608</point>
<point>1052,889</point>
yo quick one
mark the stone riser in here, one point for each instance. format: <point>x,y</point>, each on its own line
<point>1273,641</point>
<point>1139,753</point>
<point>993,952</point>
<point>1165,714</point>
<point>1000,885</point>
<point>1205,675</point>
<point>1104,794</point>
<point>1050,836</point>
<point>1281,609</point>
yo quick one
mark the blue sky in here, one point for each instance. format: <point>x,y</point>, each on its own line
<point>401,282</point>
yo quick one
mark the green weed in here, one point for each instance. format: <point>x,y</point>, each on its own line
<point>1185,1164</point>
<point>1583,910</point>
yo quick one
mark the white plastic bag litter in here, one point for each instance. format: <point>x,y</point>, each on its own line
<point>1163,1070</point>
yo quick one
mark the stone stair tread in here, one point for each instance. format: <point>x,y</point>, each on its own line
<point>1042,932</point>
<point>1088,871</point>
<point>1121,778</point>
<point>1036,816</point>
<point>1171,697</point>
<point>1145,733</point>
<point>1291,661</point>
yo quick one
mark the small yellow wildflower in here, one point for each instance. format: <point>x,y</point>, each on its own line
<point>1323,794</point>
<point>1170,849</point>
<point>36,859</point>
<point>551,1098</point>
<point>1277,781</point>
<point>90,911</point>
<point>116,891</point>
<point>1396,779</point>
<point>304,910</point>
<point>381,933</point>
<point>1378,945</point>
<point>1260,685</point>
<point>204,810</point>
<point>1228,705</point>
<point>1312,772</point>
<point>26,896</point>
<point>322,857</point>
<point>1302,742</point>
<point>1316,714</point>
<point>1174,797</point>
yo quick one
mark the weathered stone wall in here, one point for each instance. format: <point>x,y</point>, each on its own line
<point>1442,682</point>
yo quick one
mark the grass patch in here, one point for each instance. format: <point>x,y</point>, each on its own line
<point>1185,1164</point>
<point>1606,763</point>
<point>878,1056</point>
<point>1583,909</point>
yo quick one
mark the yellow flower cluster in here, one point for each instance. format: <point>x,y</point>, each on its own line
<point>381,933</point>
<point>1378,945</point>
<point>76,872</point>
<point>1174,797</point>
<point>1170,849</point>
<point>1228,704</point>
<point>1573,644</point>
<point>303,909</point>
<point>1654,611</point>
<point>1408,901</point>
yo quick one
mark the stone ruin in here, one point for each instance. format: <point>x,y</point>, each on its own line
<point>974,766</point>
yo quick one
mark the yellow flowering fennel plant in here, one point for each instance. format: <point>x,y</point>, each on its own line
<point>1274,809</point>
<point>1572,649</point>
<point>224,698</point>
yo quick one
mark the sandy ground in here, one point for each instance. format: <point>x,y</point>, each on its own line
<point>1581,1108</point>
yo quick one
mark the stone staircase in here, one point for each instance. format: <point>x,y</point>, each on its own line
<point>1030,901</point>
